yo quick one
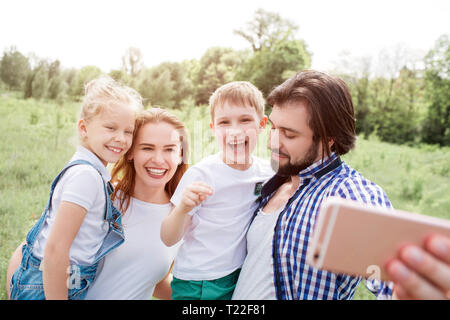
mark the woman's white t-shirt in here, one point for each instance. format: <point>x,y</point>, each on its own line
<point>131,271</point>
<point>214,243</point>
<point>83,185</point>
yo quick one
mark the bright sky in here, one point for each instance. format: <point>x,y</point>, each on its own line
<point>97,32</point>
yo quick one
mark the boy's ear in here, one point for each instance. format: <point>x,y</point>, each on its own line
<point>211,125</point>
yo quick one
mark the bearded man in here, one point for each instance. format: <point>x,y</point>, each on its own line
<point>312,125</point>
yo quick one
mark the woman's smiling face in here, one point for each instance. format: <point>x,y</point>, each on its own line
<point>156,154</point>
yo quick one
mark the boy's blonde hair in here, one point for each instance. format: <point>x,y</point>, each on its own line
<point>105,92</point>
<point>241,93</point>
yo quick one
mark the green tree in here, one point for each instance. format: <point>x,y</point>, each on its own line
<point>271,66</point>
<point>69,76</point>
<point>57,87</point>
<point>36,84</point>
<point>81,78</point>
<point>157,88</point>
<point>14,68</point>
<point>398,121</point>
<point>120,75</point>
<point>266,29</point>
<point>277,54</point>
<point>45,80</point>
<point>181,84</point>
<point>356,72</point>
<point>40,84</point>
<point>217,66</point>
<point>364,125</point>
<point>436,127</point>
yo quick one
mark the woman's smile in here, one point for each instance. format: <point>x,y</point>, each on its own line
<point>156,173</point>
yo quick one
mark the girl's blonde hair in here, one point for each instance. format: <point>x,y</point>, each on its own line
<point>105,92</point>
<point>124,174</point>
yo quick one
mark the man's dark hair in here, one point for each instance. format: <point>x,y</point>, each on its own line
<point>330,107</point>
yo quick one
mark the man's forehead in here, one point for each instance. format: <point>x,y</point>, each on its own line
<point>289,113</point>
<point>292,104</point>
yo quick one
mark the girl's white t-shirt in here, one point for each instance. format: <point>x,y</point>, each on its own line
<point>215,242</point>
<point>131,271</point>
<point>83,185</point>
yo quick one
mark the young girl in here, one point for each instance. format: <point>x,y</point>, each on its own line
<point>79,225</point>
<point>145,178</point>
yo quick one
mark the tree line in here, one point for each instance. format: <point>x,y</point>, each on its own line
<point>402,98</point>
<point>408,102</point>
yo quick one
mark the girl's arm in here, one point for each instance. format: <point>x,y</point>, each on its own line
<point>69,218</point>
<point>175,224</point>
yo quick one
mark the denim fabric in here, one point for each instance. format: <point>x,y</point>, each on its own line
<point>27,283</point>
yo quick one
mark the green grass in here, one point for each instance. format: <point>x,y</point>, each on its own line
<point>415,179</point>
<point>32,152</point>
<point>37,138</point>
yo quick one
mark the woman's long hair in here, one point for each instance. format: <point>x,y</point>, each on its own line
<point>123,173</point>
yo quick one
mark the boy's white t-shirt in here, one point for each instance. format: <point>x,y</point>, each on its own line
<point>215,241</point>
<point>131,271</point>
<point>82,185</point>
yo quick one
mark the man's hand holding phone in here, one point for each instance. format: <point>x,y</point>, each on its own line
<point>410,249</point>
<point>422,273</point>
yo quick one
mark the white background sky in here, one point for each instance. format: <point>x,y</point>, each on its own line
<point>94,32</point>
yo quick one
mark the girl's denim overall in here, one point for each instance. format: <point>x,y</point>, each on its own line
<point>27,283</point>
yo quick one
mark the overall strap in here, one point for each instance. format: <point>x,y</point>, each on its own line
<point>35,231</point>
<point>69,165</point>
<point>107,187</point>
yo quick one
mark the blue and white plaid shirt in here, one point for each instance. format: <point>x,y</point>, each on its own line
<point>293,278</point>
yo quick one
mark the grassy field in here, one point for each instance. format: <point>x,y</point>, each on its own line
<point>37,138</point>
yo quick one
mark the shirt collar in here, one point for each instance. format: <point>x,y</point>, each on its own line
<point>320,168</point>
<point>314,171</point>
<point>85,154</point>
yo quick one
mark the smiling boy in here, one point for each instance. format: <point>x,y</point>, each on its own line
<point>215,199</point>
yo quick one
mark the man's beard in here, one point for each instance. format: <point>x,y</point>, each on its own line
<point>292,169</point>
